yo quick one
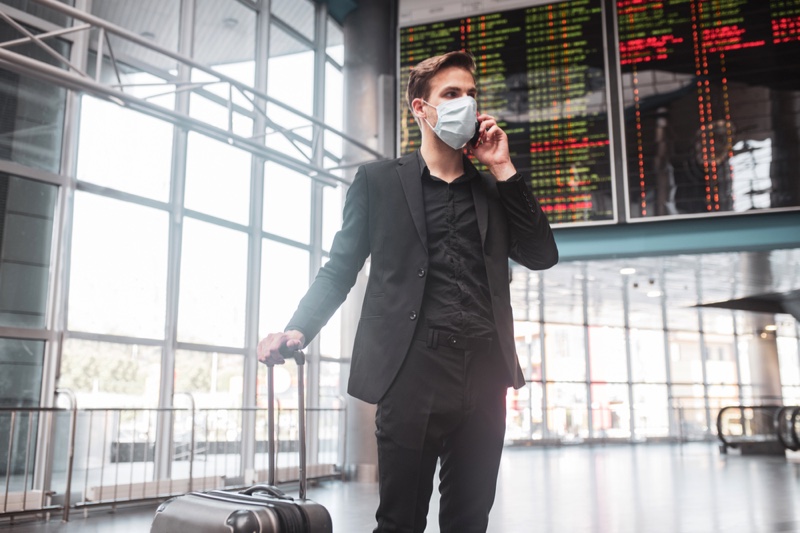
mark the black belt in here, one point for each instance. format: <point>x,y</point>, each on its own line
<point>437,337</point>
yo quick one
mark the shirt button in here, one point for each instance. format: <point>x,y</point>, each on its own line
<point>421,272</point>
<point>412,315</point>
<point>453,339</point>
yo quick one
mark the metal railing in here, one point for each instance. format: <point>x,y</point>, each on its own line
<point>305,134</point>
<point>108,456</point>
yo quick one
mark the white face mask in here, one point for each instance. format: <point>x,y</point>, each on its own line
<point>456,124</point>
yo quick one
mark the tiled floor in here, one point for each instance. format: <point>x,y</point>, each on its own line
<point>663,488</point>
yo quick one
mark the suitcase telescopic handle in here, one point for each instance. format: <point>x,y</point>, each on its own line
<point>299,358</point>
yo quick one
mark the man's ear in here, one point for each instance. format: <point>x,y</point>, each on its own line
<point>418,108</point>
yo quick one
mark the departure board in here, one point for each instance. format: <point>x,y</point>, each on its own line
<point>541,73</point>
<point>711,96</point>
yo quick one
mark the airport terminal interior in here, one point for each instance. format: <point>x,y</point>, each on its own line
<point>172,175</point>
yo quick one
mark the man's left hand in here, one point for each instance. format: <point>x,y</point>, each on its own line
<point>492,149</point>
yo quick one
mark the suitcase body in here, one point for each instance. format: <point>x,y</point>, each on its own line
<point>257,509</point>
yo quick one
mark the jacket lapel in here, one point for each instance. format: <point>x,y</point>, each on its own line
<point>410,177</point>
<point>481,205</point>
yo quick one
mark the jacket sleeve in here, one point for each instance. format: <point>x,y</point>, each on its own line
<point>334,280</point>
<point>531,241</point>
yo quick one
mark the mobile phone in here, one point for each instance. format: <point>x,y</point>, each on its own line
<point>474,141</point>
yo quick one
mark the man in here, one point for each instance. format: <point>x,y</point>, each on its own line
<point>435,343</point>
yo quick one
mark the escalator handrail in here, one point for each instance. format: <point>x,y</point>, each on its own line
<point>720,434</point>
<point>795,423</point>
<point>780,418</point>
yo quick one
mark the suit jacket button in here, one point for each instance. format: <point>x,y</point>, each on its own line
<point>421,272</point>
<point>412,315</point>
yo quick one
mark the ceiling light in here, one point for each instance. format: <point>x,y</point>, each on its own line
<point>771,327</point>
<point>653,294</point>
<point>627,271</point>
<point>230,22</point>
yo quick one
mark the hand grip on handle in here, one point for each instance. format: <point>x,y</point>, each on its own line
<point>289,353</point>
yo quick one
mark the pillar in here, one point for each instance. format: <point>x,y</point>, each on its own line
<point>369,117</point>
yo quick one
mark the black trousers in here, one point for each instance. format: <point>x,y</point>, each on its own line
<point>446,404</point>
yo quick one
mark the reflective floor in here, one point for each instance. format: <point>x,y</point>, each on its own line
<point>669,488</point>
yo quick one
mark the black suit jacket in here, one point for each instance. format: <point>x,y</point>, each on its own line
<point>384,217</point>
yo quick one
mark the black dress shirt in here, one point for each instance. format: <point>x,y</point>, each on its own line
<point>457,296</point>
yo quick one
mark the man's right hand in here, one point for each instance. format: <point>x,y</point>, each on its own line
<point>268,349</point>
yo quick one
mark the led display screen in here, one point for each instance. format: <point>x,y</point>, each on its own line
<point>711,104</point>
<point>705,95</point>
<point>541,73</point>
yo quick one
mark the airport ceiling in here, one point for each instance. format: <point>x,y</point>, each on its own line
<point>765,281</point>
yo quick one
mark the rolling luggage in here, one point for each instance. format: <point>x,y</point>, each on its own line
<point>257,509</point>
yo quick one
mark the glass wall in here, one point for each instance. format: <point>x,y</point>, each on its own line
<point>164,226</point>
<point>641,360</point>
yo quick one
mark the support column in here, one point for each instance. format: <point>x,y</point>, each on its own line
<point>765,374</point>
<point>369,63</point>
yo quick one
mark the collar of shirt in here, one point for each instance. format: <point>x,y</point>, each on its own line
<point>470,172</point>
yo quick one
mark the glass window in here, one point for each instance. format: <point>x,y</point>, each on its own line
<point>605,302</point>
<point>689,410</point>
<point>607,354</point>
<point>216,111</point>
<point>26,236</point>
<point>335,45</point>
<point>330,338</point>
<point>529,349</point>
<point>611,415</point>
<point>686,364</point>
<point>284,281</point>
<point>647,356</point>
<point>680,291</point>
<point>133,81</point>
<point>565,352</point>
<point>330,385</point>
<point>721,367</point>
<point>136,157</point>
<point>567,415</point>
<point>110,375</point>
<point>524,407</point>
<point>217,179</point>
<point>791,395</point>
<point>650,410</point>
<point>644,312</point>
<point>720,396</point>
<point>332,198</point>
<point>525,294</point>
<point>744,359</point>
<point>291,71</point>
<point>213,285</point>
<point>718,321</point>
<point>32,120</point>
<point>334,109</point>
<point>563,294</point>
<point>789,360</point>
<point>291,81</point>
<point>118,268</point>
<point>287,203</point>
<point>20,372</point>
<point>299,14</point>
<point>214,380</point>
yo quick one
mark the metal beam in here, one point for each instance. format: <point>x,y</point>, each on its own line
<point>713,234</point>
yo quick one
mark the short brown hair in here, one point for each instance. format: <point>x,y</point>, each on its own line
<point>421,75</point>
